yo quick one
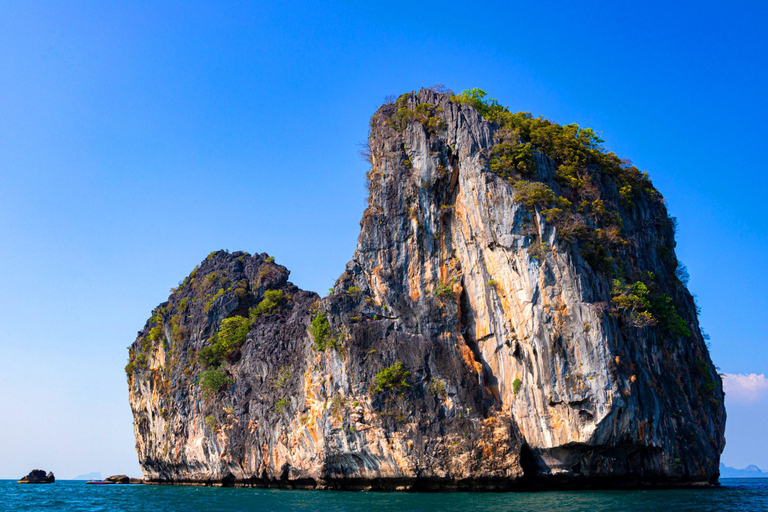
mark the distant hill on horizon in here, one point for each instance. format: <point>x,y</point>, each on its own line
<point>89,476</point>
<point>750,471</point>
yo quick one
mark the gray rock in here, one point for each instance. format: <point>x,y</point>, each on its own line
<point>38,476</point>
<point>517,369</point>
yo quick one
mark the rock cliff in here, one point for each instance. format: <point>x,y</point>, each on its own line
<point>514,316</point>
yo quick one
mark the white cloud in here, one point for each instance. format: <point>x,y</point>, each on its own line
<point>744,388</point>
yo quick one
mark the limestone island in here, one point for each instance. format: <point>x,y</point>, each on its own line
<point>514,317</point>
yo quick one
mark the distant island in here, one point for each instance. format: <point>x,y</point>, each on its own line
<point>96,475</point>
<point>750,471</point>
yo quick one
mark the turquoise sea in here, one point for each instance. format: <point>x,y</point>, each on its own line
<point>68,496</point>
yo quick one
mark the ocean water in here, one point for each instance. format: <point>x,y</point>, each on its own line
<point>68,496</point>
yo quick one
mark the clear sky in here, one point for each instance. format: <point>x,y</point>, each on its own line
<point>135,139</point>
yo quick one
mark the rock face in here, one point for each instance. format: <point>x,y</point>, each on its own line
<point>119,479</point>
<point>513,316</point>
<point>38,476</point>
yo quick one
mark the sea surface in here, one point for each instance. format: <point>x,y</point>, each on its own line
<point>735,494</point>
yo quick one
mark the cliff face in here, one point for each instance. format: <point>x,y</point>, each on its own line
<point>511,317</point>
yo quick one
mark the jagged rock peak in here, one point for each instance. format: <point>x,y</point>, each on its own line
<point>514,315</point>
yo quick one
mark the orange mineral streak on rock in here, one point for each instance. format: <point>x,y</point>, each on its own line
<point>469,357</point>
<point>413,287</point>
<point>378,283</point>
<point>265,456</point>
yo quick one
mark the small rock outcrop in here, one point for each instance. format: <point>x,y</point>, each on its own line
<point>119,479</point>
<point>514,316</point>
<point>38,476</point>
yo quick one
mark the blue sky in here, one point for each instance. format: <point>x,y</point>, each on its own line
<point>135,139</point>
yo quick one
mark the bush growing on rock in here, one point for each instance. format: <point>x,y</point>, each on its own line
<point>475,98</point>
<point>646,306</point>
<point>392,378</point>
<point>437,386</point>
<point>214,380</point>
<point>268,305</point>
<point>444,291</point>
<point>282,378</point>
<point>280,405</point>
<point>136,360</point>
<point>321,332</point>
<point>663,307</point>
<point>507,159</point>
<point>210,300</point>
<point>227,340</point>
<point>156,332</point>
<point>533,193</point>
<point>632,299</point>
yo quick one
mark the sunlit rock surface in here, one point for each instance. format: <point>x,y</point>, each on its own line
<point>521,370</point>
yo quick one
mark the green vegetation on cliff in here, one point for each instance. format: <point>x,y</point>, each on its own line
<point>138,359</point>
<point>223,344</point>
<point>424,113</point>
<point>214,380</point>
<point>322,334</point>
<point>268,305</point>
<point>227,340</point>
<point>645,306</point>
<point>576,151</point>
<point>392,378</point>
